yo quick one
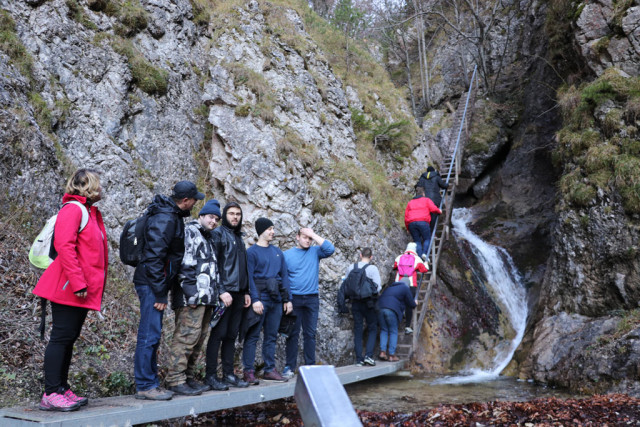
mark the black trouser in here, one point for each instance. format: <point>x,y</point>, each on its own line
<point>432,224</point>
<point>65,330</point>
<point>408,312</point>
<point>225,333</point>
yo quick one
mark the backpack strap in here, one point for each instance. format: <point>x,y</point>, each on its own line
<point>85,214</point>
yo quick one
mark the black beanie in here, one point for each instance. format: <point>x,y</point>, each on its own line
<point>262,224</point>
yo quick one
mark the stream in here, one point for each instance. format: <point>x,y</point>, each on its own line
<point>410,394</point>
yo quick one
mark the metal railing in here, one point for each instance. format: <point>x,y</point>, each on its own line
<point>447,196</point>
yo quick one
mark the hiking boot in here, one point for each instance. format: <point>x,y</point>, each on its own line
<point>369,361</point>
<point>156,393</point>
<point>408,331</point>
<point>215,384</point>
<point>383,356</point>
<point>57,402</point>
<point>287,373</point>
<point>75,398</point>
<point>393,358</point>
<point>250,377</point>
<point>184,390</point>
<point>233,381</point>
<point>197,385</point>
<point>274,376</point>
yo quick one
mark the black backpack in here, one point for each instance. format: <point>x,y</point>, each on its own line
<point>132,240</point>
<point>358,286</point>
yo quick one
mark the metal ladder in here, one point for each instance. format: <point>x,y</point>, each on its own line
<point>407,344</point>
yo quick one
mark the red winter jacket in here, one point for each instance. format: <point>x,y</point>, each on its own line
<point>419,209</point>
<point>82,259</point>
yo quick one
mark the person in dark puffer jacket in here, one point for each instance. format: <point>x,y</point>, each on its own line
<point>194,300</point>
<point>432,182</point>
<point>156,273</point>
<point>391,304</point>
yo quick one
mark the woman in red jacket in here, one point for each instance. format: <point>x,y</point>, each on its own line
<point>74,283</point>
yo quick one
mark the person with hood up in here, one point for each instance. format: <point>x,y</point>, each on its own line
<point>231,255</point>
<point>432,182</point>
<point>155,274</point>
<point>194,300</point>
<point>74,283</point>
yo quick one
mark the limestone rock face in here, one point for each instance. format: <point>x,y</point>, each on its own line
<point>609,36</point>
<point>249,114</point>
<point>566,353</point>
<point>29,165</point>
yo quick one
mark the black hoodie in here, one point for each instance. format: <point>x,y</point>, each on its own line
<point>163,247</point>
<point>231,254</point>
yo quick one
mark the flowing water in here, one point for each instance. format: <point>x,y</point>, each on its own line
<point>473,384</point>
<point>412,394</point>
<point>505,285</point>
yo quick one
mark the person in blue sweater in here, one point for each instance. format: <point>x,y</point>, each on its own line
<point>270,296</point>
<point>392,303</point>
<point>303,264</point>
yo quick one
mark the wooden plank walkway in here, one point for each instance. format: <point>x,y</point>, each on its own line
<point>127,411</point>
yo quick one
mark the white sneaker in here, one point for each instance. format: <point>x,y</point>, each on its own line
<point>408,331</point>
<point>287,373</point>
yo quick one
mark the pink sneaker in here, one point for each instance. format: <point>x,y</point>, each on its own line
<point>72,397</point>
<point>57,402</point>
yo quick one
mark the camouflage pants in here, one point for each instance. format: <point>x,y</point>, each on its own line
<point>191,332</point>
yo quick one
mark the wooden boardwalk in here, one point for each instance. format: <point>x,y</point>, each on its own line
<point>127,411</point>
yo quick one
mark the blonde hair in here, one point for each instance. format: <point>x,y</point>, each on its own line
<point>84,182</point>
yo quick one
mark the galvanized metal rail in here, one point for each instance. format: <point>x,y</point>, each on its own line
<point>127,411</point>
<point>440,230</point>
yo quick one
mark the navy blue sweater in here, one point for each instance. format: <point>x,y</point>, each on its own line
<point>396,297</point>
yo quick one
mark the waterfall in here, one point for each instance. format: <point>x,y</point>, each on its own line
<point>505,284</point>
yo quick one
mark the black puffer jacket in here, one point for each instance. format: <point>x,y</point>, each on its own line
<point>432,182</point>
<point>232,256</point>
<point>199,278</point>
<point>163,247</point>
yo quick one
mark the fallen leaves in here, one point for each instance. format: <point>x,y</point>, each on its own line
<point>600,410</point>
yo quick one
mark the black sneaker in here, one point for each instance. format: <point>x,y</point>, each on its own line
<point>233,381</point>
<point>184,390</point>
<point>197,385</point>
<point>215,384</point>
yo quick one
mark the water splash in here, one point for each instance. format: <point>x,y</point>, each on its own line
<point>505,284</point>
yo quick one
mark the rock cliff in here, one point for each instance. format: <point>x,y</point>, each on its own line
<point>239,99</point>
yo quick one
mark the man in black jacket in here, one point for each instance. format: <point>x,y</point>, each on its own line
<point>156,273</point>
<point>432,182</point>
<point>234,279</point>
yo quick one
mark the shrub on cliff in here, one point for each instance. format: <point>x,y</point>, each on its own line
<point>598,147</point>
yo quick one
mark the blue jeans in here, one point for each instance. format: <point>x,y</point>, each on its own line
<point>421,234</point>
<point>269,321</point>
<point>361,312</point>
<point>388,330</point>
<point>145,361</point>
<point>306,308</point>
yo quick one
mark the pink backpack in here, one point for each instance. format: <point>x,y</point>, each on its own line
<point>406,265</point>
